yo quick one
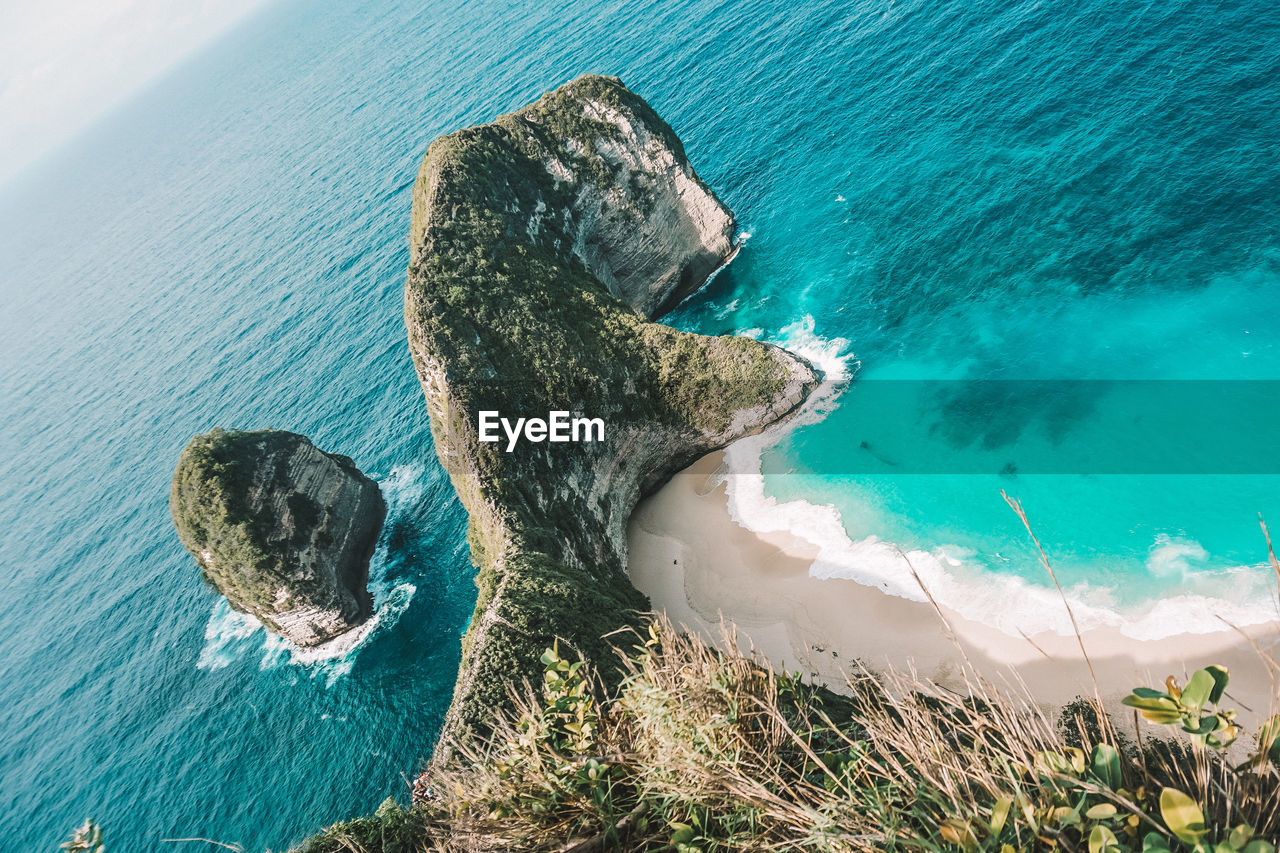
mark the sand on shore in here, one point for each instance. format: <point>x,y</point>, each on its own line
<point>699,566</point>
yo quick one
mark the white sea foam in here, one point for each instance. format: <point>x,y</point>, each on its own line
<point>727,310</point>
<point>1173,557</point>
<point>1006,602</point>
<point>226,635</point>
<point>404,487</point>
<point>335,658</point>
<point>231,636</point>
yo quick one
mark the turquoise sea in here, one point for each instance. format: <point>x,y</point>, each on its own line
<point>987,208</point>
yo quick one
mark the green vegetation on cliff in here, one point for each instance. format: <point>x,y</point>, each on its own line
<point>209,501</point>
<point>704,750</point>
<point>503,314</point>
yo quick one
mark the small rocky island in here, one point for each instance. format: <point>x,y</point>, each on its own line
<point>284,530</point>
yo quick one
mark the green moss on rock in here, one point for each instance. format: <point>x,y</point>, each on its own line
<point>282,529</point>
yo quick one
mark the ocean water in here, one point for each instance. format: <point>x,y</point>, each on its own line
<point>940,196</point>
<point>1043,240</point>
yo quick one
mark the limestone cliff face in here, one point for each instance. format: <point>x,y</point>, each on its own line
<point>281,528</point>
<point>542,244</point>
<point>683,232</point>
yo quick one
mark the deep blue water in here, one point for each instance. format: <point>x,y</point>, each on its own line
<point>941,190</point>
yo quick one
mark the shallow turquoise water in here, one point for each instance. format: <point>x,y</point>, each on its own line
<point>983,190</point>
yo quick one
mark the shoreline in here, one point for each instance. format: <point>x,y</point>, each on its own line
<point>697,564</point>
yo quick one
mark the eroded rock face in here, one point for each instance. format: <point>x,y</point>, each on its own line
<point>683,233</point>
<point>281,528</point>
<point>542,245</point>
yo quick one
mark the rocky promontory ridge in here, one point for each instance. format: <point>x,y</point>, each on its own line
<point>281,528</point>
<point>542,246</point>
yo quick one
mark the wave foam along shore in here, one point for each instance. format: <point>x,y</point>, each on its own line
<point>230,636</point>
<point>1007,603</point>
<point>700,566</point>
<point>712,546</point>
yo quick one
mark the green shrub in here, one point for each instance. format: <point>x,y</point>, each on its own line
<point>391,829</point>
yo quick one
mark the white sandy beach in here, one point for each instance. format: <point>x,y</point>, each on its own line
<point>698,565</point>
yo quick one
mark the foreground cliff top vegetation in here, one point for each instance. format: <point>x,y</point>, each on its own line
<point>701,750</point>
<point>705,750</point>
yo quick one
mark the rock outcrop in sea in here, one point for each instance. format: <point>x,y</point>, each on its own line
<point>542,247</point>
<point>284,530</point>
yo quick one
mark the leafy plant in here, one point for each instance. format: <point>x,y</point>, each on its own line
<point>1213,727</point>
<point>1190,708</point>
<point>1196,710</point>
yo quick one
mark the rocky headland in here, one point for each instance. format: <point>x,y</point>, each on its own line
<point>543,246</point>
<point>282,529</point>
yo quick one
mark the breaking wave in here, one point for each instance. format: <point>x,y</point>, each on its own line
<point>1003,601</point>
